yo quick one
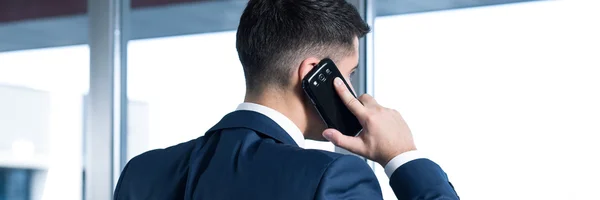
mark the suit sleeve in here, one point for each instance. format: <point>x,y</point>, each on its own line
<point>348,177</point>
<point>422,179</point>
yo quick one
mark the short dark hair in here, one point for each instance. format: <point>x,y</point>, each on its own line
<point>274,35</point>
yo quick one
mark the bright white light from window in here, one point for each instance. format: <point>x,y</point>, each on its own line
<point>23,149</point>
<point>506,99</point>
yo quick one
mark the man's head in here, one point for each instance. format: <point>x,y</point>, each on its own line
<point>279,41</point>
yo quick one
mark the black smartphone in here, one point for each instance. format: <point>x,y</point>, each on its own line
<point>318,86</point>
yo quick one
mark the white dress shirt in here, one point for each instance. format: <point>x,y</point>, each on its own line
<point>298,137</point>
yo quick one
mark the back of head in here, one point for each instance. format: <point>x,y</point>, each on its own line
<point>275,36</point>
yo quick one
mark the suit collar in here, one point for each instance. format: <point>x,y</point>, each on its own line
<point>283,121</point>
<point>254,121</point>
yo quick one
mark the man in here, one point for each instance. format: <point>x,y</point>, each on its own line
<point>256,152</point>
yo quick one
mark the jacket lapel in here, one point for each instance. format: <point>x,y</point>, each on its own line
<point>254,121</point>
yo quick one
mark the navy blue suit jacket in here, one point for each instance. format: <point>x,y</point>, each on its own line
<point>248,156</point>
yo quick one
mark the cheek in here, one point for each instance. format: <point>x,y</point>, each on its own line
<point>353,90</point>
<point>349,81</point>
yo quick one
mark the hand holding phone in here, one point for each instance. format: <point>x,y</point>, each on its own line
<point>318,85</point>
<point>385,134</point>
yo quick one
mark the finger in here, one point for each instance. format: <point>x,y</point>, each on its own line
<point>367,100</point>
<point>352,144</point>
<point>348,98</point>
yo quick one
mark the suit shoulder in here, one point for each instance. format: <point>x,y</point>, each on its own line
<point>326,160</point>
<point>168,159</point>
<point>315,155</point>
<point>350,163</point>
<point>174,152</point>
<point>164,168</point>
<point>322,154</point>
<point>334,157</point>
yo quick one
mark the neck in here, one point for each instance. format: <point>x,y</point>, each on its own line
<point>285,103</point>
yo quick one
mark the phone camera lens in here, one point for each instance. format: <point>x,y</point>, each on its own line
<point>328,71</point>
<point>321,77</point>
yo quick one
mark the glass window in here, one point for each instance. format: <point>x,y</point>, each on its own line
<point>504,98</point>
<point>44,66</point>
<point>184,83</point>
<point>187,83</point>
<point>41,121</point>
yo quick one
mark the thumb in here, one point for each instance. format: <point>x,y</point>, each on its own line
<point>352,144</point>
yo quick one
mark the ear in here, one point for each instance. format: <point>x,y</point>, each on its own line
<point>307,65</point>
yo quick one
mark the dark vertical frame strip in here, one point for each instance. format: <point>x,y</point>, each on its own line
<point>122,33</point>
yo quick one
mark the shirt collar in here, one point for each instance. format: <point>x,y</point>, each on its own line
<point>279,118</point>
